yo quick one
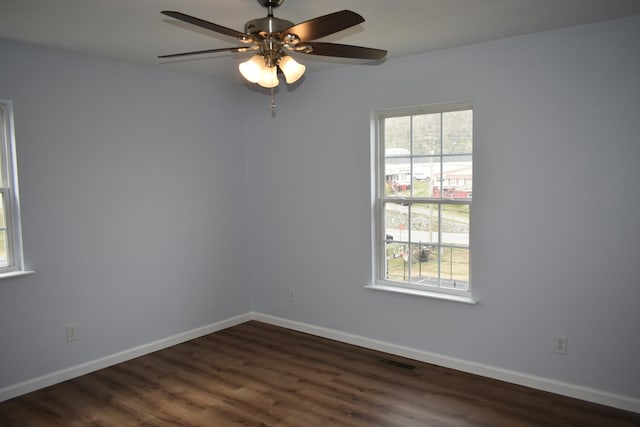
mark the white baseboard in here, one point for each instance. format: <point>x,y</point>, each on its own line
<point>113,359</point>
<point>540,383</point>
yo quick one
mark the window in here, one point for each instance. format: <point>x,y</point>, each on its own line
<point>423,188</point>
<point>11,260</point>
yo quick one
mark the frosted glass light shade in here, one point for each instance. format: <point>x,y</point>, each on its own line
<point>269,77</point>
<point>291,69</point>
<point>252,69</point>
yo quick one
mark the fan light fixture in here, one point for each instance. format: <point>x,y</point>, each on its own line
<point>257,70</point>
<point>291,69</point>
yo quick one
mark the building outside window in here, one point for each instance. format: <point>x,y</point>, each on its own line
<point>424,186</point>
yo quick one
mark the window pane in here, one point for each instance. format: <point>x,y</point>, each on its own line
<point>3,234</point>
<point>424,264</point>
<point>457,132</point>
<point>396,221</point>
<point>397,176</point>
<point>454,269</point>
<point>397,255</point>
<point>397,136</point>
<point>455,225</point>
<point>426,134</point>
<point>397,151</point>
<point>3,173</point>
<point>3,219</point>
<point>424,223</point>
<point>423,169</point>
<point>3,249</point>
<point>456,180</point>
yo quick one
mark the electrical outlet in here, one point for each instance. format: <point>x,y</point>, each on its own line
<point>72,332</point>
<point>560,344</point>
<point>292,295</point>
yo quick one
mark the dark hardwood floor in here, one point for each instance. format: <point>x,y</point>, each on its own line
<point>256,374</point>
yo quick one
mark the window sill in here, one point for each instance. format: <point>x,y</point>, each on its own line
<point>424,294</point>
<point>18,273</point>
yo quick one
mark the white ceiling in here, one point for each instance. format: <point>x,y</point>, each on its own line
<point>135,31</point>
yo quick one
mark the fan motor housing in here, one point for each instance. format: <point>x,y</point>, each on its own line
<point>269,25</point>
<point>270,3</point>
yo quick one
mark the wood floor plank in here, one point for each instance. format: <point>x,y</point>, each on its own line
<point>256,374</point>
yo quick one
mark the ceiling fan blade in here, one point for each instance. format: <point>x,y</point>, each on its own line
<point>324,25</point>
<point>201,52</point>
<point>207,25</point>
<point>345,51</point>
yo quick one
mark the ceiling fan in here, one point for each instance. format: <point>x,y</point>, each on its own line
<point>272,38</point>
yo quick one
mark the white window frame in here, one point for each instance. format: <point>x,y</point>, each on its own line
<point>10,194</point>
<point>379,281</point>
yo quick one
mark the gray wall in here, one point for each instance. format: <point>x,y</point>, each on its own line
<point>554,220</point>
<point>134,208</point>
<point>151,206</point>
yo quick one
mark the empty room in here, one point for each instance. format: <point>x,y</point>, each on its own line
<point>303,213</point>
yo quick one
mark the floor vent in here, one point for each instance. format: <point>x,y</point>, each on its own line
<point>400,365</point>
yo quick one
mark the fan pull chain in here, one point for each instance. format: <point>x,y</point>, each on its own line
<point>273,101</point>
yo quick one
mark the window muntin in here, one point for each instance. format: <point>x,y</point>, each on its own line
<point>11,259</point>
<point>424,191</point>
